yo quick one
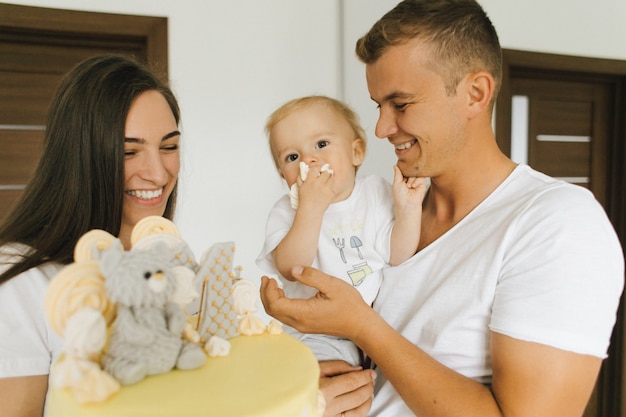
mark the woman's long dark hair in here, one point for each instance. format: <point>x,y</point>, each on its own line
<point>79,182</point>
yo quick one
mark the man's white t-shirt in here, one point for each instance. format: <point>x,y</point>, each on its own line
<point>537,260</point>
<point>28,345</point>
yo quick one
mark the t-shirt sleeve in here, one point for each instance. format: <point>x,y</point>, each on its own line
<point>562,276</point>
<point>278,223</point>
<point>24,335</point>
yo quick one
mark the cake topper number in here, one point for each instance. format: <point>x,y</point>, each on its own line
<point>216,278</point>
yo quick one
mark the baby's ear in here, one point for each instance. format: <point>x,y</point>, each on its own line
<point>358,151</point>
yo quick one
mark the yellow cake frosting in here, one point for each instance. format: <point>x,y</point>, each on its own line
<point>262,376</point>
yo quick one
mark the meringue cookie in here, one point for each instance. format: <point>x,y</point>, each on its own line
<point>216,346</point>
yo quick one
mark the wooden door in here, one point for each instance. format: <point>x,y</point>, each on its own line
<point>39,45</point>
<point>569,128</point>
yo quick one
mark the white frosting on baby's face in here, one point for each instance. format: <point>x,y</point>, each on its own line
<point>304,171</point>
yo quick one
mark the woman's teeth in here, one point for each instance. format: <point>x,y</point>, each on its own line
<point>146,195</point>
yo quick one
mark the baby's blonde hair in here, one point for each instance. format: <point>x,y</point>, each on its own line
<point>291,106</point>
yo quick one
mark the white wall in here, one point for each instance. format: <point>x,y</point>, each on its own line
<point>232,62</point>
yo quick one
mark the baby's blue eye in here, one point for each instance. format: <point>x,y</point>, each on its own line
<point>291,157</point>
<point>322,144</point>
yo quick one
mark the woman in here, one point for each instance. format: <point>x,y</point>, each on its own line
<point>110,157</point>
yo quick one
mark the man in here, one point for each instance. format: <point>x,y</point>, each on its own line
<point>508,306</point>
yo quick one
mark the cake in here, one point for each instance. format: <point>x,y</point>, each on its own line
<point>152,332</point>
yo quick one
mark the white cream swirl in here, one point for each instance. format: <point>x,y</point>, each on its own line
<point>245,297</point>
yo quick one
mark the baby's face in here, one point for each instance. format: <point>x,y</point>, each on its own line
<point>316,135</point>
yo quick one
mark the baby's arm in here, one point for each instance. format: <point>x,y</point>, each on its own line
<point>408,194</point>
<point>299,246</point>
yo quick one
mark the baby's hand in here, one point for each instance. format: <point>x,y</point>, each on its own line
<point>408,193</point>
<point>317,191</point>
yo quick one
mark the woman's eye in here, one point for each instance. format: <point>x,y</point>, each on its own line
<point>291,157</point>
<point>170,148</point>
<point>322,144</point>
<point>129,153</point>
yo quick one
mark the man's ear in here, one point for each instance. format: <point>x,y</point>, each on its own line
<point>358,151</point>
<point>480,89</point>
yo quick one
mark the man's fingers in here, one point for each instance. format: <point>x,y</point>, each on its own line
<point>397,175</point>
<point>270,295</point>
<point>350,391</point>
<point>336,367</point>
<point>289,311</point>
<point>315,278</point>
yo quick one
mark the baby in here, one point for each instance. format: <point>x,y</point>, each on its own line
<point>347,226</point>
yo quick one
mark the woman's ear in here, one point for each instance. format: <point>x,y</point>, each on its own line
<point>358,151</point>
<point>480,90</point>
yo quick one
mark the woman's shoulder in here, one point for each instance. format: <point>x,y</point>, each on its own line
<point>13,253</point>
<point>27,343</point>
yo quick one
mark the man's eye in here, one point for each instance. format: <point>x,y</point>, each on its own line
<point>322,144</point>
<point>399,106</point>
<point>291,157</point>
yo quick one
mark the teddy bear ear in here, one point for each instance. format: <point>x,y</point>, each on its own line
<point>92,244</point>
<point>161,250</point>
<point>111,257</point>
<point>152,225</point>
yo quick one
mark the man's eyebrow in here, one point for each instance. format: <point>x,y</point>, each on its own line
<point>164,138</point>
<point>393,96</point>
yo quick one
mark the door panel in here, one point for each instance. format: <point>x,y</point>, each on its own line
<point>39,45</point>
<point>569,128</point>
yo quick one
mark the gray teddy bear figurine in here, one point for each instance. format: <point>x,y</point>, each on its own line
<point>147,333</point>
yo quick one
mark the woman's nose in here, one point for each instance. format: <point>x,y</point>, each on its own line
<point>154,169</point>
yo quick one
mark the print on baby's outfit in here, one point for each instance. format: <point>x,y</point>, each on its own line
<point>359,271</point>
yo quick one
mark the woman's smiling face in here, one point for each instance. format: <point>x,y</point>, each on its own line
<point>152,158</point>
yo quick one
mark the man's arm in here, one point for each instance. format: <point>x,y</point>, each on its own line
<point>529,379</point>
<point>23,396</point>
